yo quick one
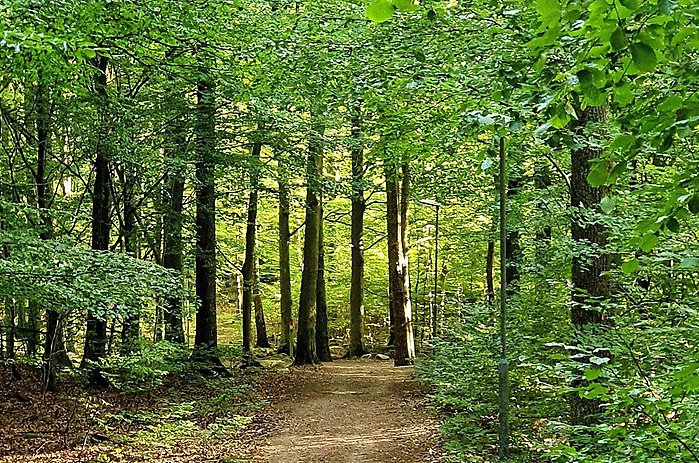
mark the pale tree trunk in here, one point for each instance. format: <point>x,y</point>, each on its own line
<point>306,338</point>
<point>591,284</point>
<point>399,299</point>
<point>285,302</point>
<point>262,340</point>
<point>322,338</point>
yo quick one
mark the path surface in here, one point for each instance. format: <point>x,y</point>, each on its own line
<point>344,412</point>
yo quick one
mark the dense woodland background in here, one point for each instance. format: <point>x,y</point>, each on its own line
<point>239,178</point>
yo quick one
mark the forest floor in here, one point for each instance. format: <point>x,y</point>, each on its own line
<point>345,411</point>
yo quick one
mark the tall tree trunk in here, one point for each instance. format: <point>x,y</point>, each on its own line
<point>591,285</point>
<point>405,248</point>
<point>306,339</point>
<point>398,299</point>
<point>322,337</point>
<point>489,261</point>
<point>173,220</point>
<point>285,302</point>
<point>357,238</point>
<point>96,332</point>
<point>206,336</point>
<point>249,262</point>
<point>132,321</point>
<point>261,338</point>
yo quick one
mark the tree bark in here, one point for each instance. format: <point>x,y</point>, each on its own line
<point>322,337</point>
<point>285,303</point>
<point>206,336</point>
<point>489,261</point>
<point>249,262</point>
<point>132,321</point>
<point>399,300</point>
<point>306,339</point>
<point>591,284</point>
<point>512,246</point>
<point>262,340</point>
<point>96,332</point>
<point>172,223</point>
<point>357,239</point>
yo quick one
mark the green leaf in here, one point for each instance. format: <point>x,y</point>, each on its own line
<point>607,204</point>
<point>549,10</point>
<point>380,10</point>
<point>623,95</point>
<point>689,262</point>
<point>667,6</point>
<point>648,242</point>
<point>618,40</point>
<point>598,176</point>
<point>693,204</point>
<point>644,57</point>
<point>592,374</point>
<point>630,4</point>
<point>405,5</point>
<point>630,266</point>
<point>673,225</point>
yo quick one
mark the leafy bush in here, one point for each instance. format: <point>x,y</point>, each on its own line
<point>146,368</point>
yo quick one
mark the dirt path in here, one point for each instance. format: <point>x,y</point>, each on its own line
<point>347,411</point>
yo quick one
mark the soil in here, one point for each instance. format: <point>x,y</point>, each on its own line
<point>346,411</point>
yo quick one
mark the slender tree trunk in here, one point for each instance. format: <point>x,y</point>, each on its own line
<point>306,338</point>
<point>284,263</point>
<point>132,321</point>
<point>249,262</point>
<point>262,340</point>
<point>512,246</point>
<point>591,285</point>
<point>357,238</point>
<point>398,299</point>
<point>206,336</point>
<point>172,237</point>
<point>96,332</point>
<point>407,311</point>
<point>322,337</point>
<point>489,260</point>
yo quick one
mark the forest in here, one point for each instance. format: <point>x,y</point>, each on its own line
<point>349,231</point>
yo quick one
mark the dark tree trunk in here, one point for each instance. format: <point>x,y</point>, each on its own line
<point>306,337</point>
<point>132,321</point>
<point>322,337</point>
<point>357,238</point>
<point>96,332</point>
<point>591,285</point>
<point>285,302</point>
<point>261,338</point>
<point>173,220</point>
<point>206,336</point>
<point>489,260</point>
<point>399,301</point>
<point>249,262</point>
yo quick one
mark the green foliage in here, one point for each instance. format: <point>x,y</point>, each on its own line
<point>148,368</point>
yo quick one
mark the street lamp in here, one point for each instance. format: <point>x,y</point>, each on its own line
<point>435,204</point>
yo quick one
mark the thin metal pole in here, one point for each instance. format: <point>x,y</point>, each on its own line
<point>502,364</point>
<point>435,310</point>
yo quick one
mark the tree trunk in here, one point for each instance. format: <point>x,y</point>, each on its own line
<point>249,262</point>
<point>399,299</point>
<point>407,311</point>
<point>306,338</point>
<point>512,246</point>
<point>206,336</point>
<point>357,239</point>
<point>322,337</point>
<point>285,303</point>
<point>96,332</point>
<point>591,286</point>
<point>132,321</point>
<point>172,237</point>
<point>489,260</point>
<point>262,340</point>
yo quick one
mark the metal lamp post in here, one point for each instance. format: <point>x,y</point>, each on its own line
<point>436,205</point>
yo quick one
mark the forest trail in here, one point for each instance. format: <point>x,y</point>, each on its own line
<point>346,411</point>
